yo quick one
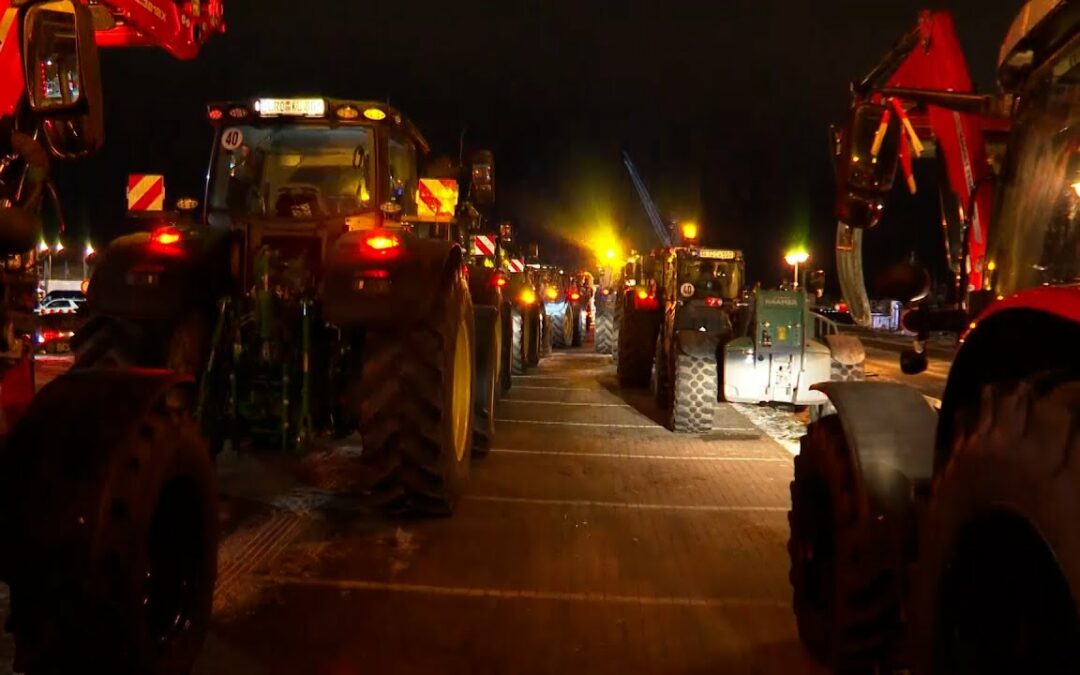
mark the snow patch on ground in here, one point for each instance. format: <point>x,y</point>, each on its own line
<point>783,426</point>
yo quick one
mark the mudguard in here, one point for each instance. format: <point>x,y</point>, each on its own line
<point>889,428</point>
<point>696,343</point>
<point>388,290</point>
<point>97,406</point>
<point>138,278</point>
<point>482,287</point>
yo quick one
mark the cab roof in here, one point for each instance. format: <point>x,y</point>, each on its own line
<point>313,108</point>
<point>1040,29</point>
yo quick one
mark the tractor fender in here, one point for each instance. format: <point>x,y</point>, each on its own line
<point>889,428</point>
<point>138,279</point>
<point>696,343</point>
<point>390,291</point>
<point>482,286</point>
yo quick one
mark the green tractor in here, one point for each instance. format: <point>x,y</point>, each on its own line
<point>700,292</point>
<point>324,296</point>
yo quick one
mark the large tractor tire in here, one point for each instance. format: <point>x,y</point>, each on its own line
<point>999,565</point>
<point>616,325</point>
<point>847,566</point>
<point>518,343</point>
<point>546,341</point>
<point>488,351</point>
<point>637,342</point>
<point>691,392</point>
<point>506,355</point>
<point>660,381</point>
<point>604,330</point>
<point>580,329</point>
<point>539,336</point>
<point>111,527</point>
<point>416,405</point>
<point>562,327</point>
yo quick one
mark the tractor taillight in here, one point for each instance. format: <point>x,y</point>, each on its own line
<point>380,244</point>
<point>551,294</point>
<point>528,296</point>
<point>642,294</point>
<point>498,280</point>
<point>714,302</point>
<point>575,296</point>
<point>166,236</point>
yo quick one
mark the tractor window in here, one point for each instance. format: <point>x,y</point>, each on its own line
<point>1035,238</point>
<point>711,278</point>
<point>293,171</point>
<point>403,183</point>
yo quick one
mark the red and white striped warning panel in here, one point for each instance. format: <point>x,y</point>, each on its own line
<point>483,245</point>
<point>146,192</point>
<point>516,265</point>
<point>437,198</point>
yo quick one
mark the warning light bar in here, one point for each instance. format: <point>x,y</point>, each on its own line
<point>290,107</point>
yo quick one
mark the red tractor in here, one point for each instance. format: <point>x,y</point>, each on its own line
<point>79,594</point>
<point>945,541</point>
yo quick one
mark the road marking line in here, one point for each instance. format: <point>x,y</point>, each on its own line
<point>583,424</point>
<point>524,386</point>
<point>628,505</point>
<point>615,455</point>
<point>594,405</point>
<point>524,594</point>
<point>542,377</point>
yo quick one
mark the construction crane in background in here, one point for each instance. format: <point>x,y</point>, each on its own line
<point>662,232</point>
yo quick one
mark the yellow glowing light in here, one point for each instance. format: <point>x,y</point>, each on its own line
<point>1076,188</point>
<point>528,296</point>
<point>991,266</point>
<point>797,257</point>
<point>375,114</point>
<point>689,230</point>
<point>550,293</point>
<point>610,254</point>
<point>972,325</point>
<point>642,293</point>
<point>347,112</point>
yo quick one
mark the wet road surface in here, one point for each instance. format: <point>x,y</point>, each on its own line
<point>591,540</point>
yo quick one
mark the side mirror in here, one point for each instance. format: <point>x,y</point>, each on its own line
<point>867,153</point>
<point>483,177</point>
<point>63,81</point>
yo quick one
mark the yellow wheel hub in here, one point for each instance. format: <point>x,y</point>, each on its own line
<point>462,392</point>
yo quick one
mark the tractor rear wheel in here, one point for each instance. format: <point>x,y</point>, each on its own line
<point>488,351</point>
<point>546,333</point>
<point>637,342</point>
<point>847,566</point>
<point>999,558</point>
<point>113,528</point>
<point>506,348</point>
<point>518,343</point>
<point>603,330</point>
<point>539,337</point>
<point>579,327</point>
<point>415,400</point>
<point>691,394</point>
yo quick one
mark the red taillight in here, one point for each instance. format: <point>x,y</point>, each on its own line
<point>714,302</point>
<point>498,280</point>
<point>375,274</point>
<point>575,296</point>
<point>645,300</point>
<point>380,243</point>
<point>166,236</point>
<point>216,114</point>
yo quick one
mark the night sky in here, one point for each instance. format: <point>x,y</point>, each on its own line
<point>723,105</point>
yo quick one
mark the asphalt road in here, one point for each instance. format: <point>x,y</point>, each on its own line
<point>884,364</point>
<point>592,540</point>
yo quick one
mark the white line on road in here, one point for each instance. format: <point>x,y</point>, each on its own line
<point>593,405</point>
<point>582,424</point>
<point>523,386</point>
<point>543,377</point>
<point>524,594</point>
<point>628,505</point>
<point>616,455</point>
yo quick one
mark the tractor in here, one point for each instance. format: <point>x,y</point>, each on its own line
<point>699,292</point>
<point>563,305</point>
<point>637,318</point>
<point>944,540</point>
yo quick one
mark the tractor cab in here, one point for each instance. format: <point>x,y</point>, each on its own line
<point>292,175</point>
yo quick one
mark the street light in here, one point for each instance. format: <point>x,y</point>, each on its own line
<point>796,258</point>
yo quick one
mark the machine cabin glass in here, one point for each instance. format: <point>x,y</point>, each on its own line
<point>1035,238</point>
<point>710,278</point>
<point>290,171</point>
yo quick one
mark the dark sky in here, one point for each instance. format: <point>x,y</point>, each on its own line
<point>723,105</point>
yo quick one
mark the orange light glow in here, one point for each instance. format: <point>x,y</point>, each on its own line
<point>166,236</point>
<point>642,294</point>
<point>551,293</point>
<point>575,296</point>
<point>382,242</point>
<point>528,296</point>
